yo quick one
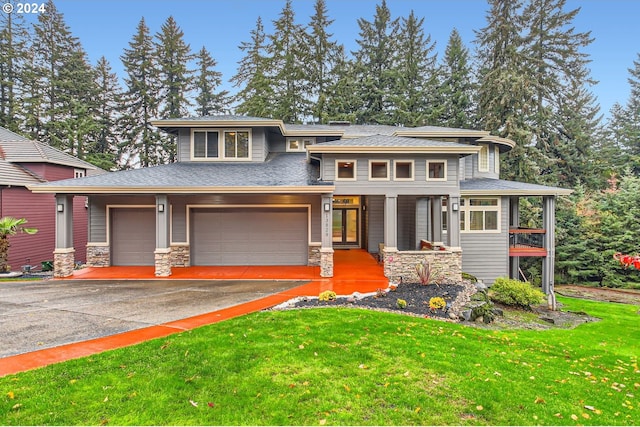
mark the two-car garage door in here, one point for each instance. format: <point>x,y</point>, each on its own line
<point>249,236</point>
<point>230,236</point>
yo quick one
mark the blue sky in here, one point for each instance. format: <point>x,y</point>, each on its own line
<point>105,28</point>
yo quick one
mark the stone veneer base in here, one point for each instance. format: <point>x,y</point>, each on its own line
<point>163,262</point>
<point>326,262</point>
<point>64,262</point>
<point>402,264</point>
<point>98,256</point>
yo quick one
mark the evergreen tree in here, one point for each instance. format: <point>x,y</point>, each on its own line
<point>415,92</point>
<point>173,55</point>
<point>323,53</point>
<point>14,57</point>
<point>208,101</point>
<point>505,93</point>
<point>141,103</point>
<point>457,89</point>
<point>343,102</point>
<point>287,59</point>
<point>375,65</point>
<point>108,101</point>
<point>256,96</point>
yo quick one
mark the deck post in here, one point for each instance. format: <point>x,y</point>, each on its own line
<point>514,222</point>
<point>548,262</point>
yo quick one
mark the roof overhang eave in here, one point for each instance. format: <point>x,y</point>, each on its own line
<point>178,123</point>
<point>515,192</point>
<point>84,190</point>
<point>322,148</point>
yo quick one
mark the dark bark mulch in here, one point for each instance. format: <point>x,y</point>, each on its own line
<point>416,295</point>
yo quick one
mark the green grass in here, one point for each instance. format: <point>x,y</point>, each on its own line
<point>341,366</point>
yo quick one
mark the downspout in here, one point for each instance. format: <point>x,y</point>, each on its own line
<point>319,159</point>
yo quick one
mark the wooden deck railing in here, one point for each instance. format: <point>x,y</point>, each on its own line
<point>527,242</point>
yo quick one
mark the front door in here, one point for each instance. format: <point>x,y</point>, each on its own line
<point>345,227</point>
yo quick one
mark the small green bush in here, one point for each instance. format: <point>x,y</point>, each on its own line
<point>402,304</point>
<point>515,293</point>
<point>470,277</point>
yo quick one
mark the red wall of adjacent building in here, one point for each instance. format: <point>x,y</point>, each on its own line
<point>40,212</point>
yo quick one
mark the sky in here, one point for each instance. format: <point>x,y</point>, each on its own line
<point>105,28</point>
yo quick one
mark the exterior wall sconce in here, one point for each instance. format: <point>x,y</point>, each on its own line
<point>60,207</point>
<point>454,207</point>
<point>327,207</point>
<point>161,207</point>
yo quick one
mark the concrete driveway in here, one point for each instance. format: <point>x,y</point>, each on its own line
<point>39,315</point>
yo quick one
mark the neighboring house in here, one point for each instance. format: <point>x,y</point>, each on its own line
<point>253,191</point>
<point>22,163</point>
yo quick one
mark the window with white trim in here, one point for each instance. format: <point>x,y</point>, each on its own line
<point>378,170</point>
<point>79,173</point>
<point>345,170</point>
<point>496,160</point>
<point>237,144</point>
<point>436,170</point>
<point>299,144</point>
<point>483,158</point>
<point>480,215</point>
<point>205,144</point>
<point>403,170</point>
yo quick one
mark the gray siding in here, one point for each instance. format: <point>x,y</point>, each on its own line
<point>98,212</point>
<point>471,166</point>
<point>406,223</point>
<point>375,222</point>
<point>486,255</point>
<point>419,185</point>
<point>259,144</point>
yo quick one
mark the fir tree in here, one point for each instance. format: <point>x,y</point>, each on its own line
<point>343,102</point>
<point>173,55</point>
<point>141,103</point>
<point>208,100</point>
<point>375,67</point>
<point>457,89</point>
<point>255,98</point>
<point>13,61</point>
<point>415,92</point>
<point>323,53</point>
<point>287,58</point>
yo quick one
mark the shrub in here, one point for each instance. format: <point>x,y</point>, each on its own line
<point>515,293</point>
<point>327,296</point>
<point>469,277</point>
<point>402,304</point>
<point>427,274</point>
<point>436,303</point>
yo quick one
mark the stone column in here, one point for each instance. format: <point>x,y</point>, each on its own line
<point>326,247</point>
<point>64,253</point>
<point>163,239</point>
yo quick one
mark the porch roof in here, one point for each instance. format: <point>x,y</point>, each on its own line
<point>501,187</point>
<point>280,173</point>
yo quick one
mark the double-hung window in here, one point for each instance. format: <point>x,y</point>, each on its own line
<point>480,215</point>
<point>483,158</point>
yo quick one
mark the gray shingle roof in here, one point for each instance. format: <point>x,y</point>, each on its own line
<point>278,170</point>
<point>7,135</point>
<point>391,141</point>
<point>501,186</point>
<point>218,118</point>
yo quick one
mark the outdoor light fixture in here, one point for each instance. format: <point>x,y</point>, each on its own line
<point>60,207</point>
<point>454,207</point>
<point>161,207</point>
<point>327,207</point>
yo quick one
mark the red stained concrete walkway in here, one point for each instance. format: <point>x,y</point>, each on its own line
<point>354,271</point>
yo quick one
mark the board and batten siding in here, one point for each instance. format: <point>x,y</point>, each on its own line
<point>486,255</point>
<point>259,143</point>
<point>364,186</point>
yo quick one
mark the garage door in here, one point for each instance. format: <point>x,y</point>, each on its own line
<point>249,236</point>
<point>133,236</point>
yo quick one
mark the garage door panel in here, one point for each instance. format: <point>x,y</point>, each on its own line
<point>249,236</point>
<point>133,238</point>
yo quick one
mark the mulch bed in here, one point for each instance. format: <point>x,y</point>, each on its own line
<point>416,295</point>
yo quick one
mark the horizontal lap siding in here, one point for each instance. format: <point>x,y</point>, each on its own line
<point>486,255</point>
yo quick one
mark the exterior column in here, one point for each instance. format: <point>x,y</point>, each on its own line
<point>163,243</point>
<point>64,253</point>
<point>422,220</point>
<point>548,263</point>
<point>436,216</point>
<point>453,222</point>
<point>514,222</point>
<point>326,248</point>
<point>391,222</point>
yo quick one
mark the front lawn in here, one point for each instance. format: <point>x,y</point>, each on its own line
<point>348,366</point>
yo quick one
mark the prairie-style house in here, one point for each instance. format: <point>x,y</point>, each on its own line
<point>256,191</point>
<point>24,162</point>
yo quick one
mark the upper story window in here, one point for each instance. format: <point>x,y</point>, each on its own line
<point>483,158</point>
<point>379,170</point>
<point>403,170</point>
<point>436,170</point>
<point>226,144</point>
<point>496,160</point>
<point>345,170</point>
<point>480,215</point>
<point>299,144</point>
<point>79,173</point>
